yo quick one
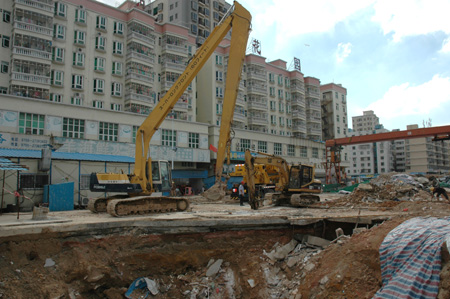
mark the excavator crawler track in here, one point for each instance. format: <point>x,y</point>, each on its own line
<point>143,205</point>
<point>98,205</point>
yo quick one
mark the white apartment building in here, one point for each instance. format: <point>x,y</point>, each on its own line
<point>83,78</point>
<point>366,122</point>
<point>368,159</point>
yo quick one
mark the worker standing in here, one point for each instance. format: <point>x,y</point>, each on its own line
<point>241,193</point>
<point>437,189</point>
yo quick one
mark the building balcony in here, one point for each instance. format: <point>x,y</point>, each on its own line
<point>297,88</point>
<point>257,89</point>
<point>257,75</point>
<point>298,102</point>
<point>147,78</point>
<point>257,120</point>
<point>314,131</point>
<point>149,40</point>
<point>257,105</point>
<point>46,6</point>
<point>299,128</point>
<point>181,105</point>
<point>174,48</point>
<point>313,105</point>
<point>133,96</point>
<point>48,32</point>
<point>240,102</point>
<point>32,53</point>
<point>175,66</point>
<point>241,85</point>
<point>299,115</point>
<point>30,78</point>
<point>313,94</point>
<point>239,116</point>
<point>141,56</point>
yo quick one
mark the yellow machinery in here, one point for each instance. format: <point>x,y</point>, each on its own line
<point>139,185</point>
<point>296,185</point>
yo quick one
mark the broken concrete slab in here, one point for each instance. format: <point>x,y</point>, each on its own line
<point>365,187</point>
<point>282,252</point>
<point>214,268</point>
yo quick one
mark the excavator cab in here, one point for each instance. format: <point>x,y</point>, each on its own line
<point>161,177</point>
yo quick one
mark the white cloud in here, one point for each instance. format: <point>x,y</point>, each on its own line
<point>406,17</point>
<point>445,46</point>
<point>293,18</point>
<point>343,50</point>
<point>407,100</point>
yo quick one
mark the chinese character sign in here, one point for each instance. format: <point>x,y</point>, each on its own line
<point>256,46</point>
<point>297,65</point>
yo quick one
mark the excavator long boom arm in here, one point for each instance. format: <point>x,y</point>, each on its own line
<point>240,20</point>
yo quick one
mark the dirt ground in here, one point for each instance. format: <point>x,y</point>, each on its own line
<point>180,265</point>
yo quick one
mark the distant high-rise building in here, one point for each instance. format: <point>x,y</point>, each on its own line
<point>334,111</point>
<point>366,122</point>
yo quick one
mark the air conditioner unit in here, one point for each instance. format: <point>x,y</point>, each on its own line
<point>83,201</point>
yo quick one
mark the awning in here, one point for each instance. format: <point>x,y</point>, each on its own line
<point>189,174</point>
<point>6,164</point>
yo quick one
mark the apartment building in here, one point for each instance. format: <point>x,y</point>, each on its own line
<point>366,122</point>
<point>398,159</point>
<point>369,159</point>
<point>82,78</point>
<point>423,155</point>
<point>199,16</point>
<point>334,111</point>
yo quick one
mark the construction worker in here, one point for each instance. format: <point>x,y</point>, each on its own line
<point>241,193</point>
<point>436,189</point>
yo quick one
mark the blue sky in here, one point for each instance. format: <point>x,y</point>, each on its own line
<point>392,56</point>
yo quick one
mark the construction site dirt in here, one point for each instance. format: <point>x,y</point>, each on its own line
<point>219,250</point>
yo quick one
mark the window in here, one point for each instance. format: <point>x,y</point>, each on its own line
<point>99,64</point>
<point>118,28</point>
<point>169,138</point>
<point>272,91</point>
<point>77,81</point>
<point>97,104</point>
<point>58,54</point>
<point>303,152</point>
<point>57,78</point>
<point>245,144</point>
<point>59,31</point>
<point>76,100</point>
<point>79,37</point>
<point>55,97</point>
<point>193,140</point>
<point>117,48</point>
<point>287,82</point>
<point>30,123</point>
<point>219,92</point>
<point>194,28</point>
<point>273,119</point>
<point>116,89</point>
<point>5,67</point>
<point>281,121</point>
<point>80,16</point>
<point>219,60</point>
<point>271,78</point>
<point>78,59</point>
<point>99,86</point>
<point>219,76</point>
<point>101,22</point>
<point>194,17</point>
<point>315,152</point>
<point>289,123</point>
<point>280,80</point>
<point>280,94</point>
<point>6,16</point>
<point>280,107</point>
<point>337,118</point>
<point>337,106</point>
<point>60,9</point>
<point>135,129</point>
<point>291,150</point>
<point>108,131</point>
<point>277,149</point>
<point>218,109</point>
<point>85,180</point>
<point>33,180</point>
<point>73,128</point>
<point>100,42</point>
<point>116,107</point>
<point>273,105</point>
<point>262,146</point>
<point>117,68</point>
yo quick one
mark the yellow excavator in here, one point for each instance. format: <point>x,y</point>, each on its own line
<point>296,185</point>
<point>139,186</point>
